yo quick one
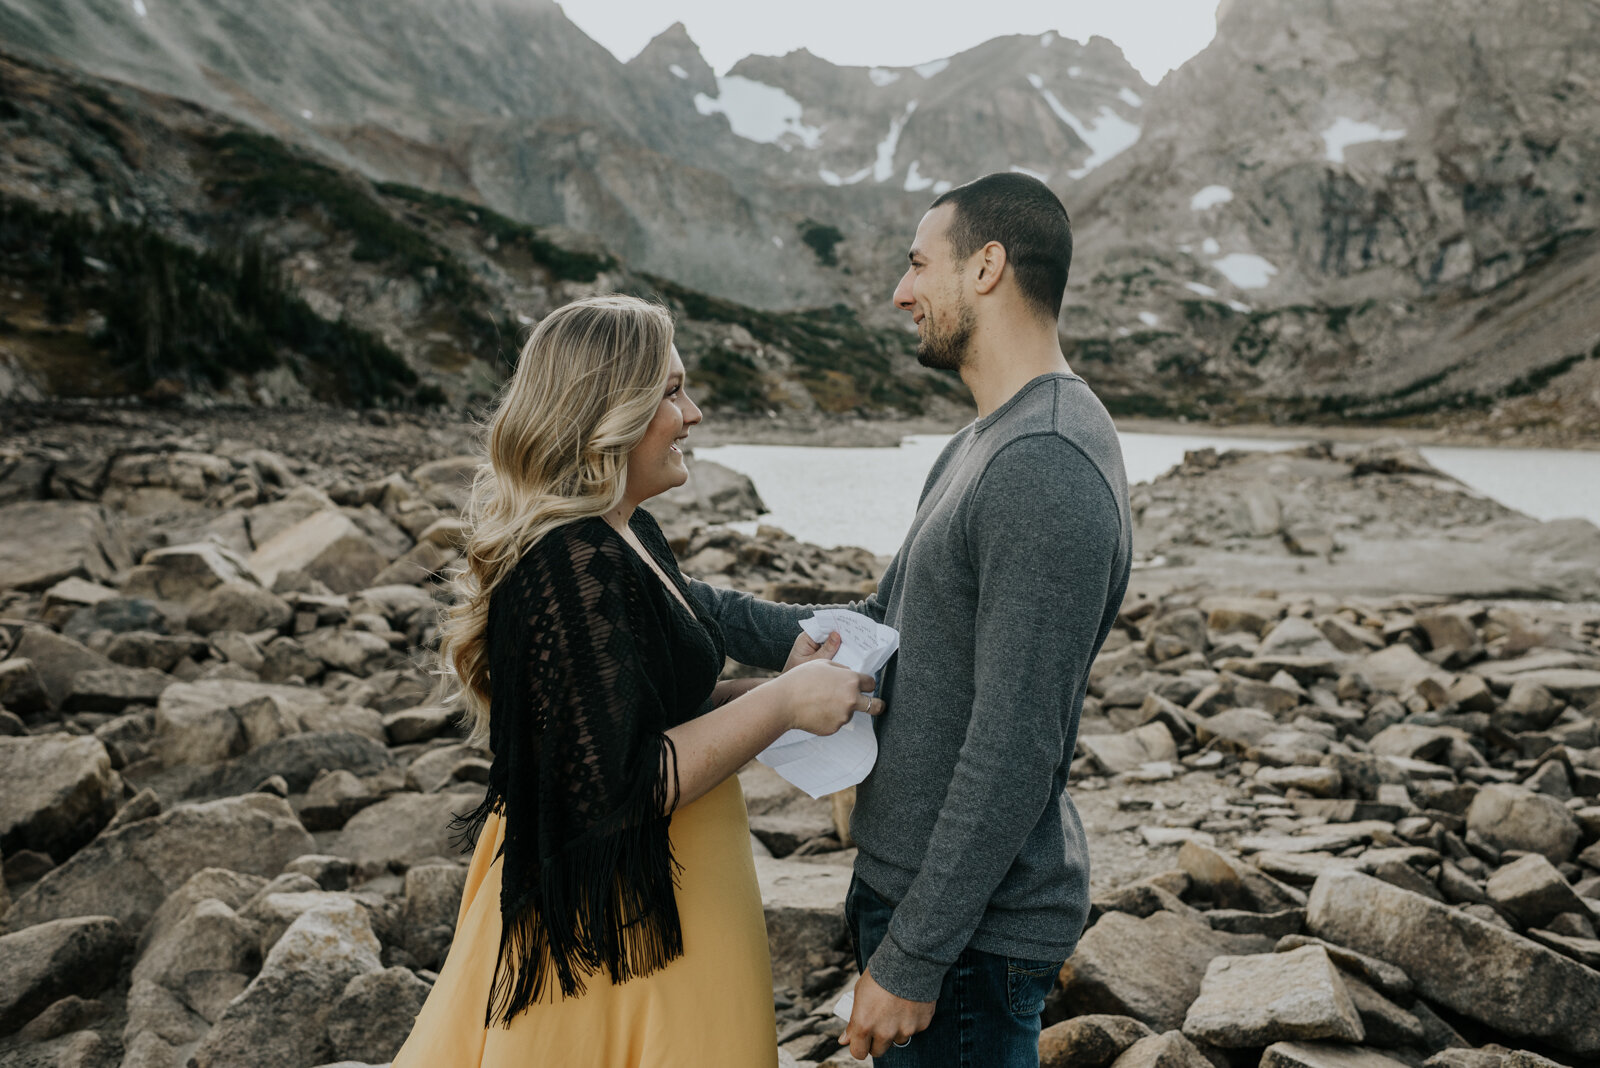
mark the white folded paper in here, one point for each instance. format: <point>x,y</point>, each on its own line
<point>846,1003</point>
<point>825,765</point>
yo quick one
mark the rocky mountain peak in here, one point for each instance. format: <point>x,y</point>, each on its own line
<point>674,52</point>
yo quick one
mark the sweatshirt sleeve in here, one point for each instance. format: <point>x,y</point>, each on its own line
<point>761,633</point>
<point>1044,533</point>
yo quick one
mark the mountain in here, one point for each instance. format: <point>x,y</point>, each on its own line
<point>151,246</point>
<point>1338,210</point>
<point>713,182</point>
<point>1356,208</point>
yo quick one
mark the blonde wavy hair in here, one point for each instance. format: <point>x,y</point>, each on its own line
<point>587,384</point>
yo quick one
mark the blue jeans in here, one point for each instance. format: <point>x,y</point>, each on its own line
<point>987,1015</point>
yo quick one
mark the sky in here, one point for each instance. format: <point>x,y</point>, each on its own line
<point>1155,35</point>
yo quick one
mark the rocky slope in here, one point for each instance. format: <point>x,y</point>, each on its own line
<point>1354,212</point>
<point>149,246</point>
<point>1326,829</point>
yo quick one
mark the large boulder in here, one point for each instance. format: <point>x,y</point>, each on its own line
<point>47,541</point>
<point>1398,669</point>
<point>327,546</point>
<point>1092,1041</point>
<point>1254,1001</point>
<point>206,958</point>
<point>1232,884</point>
<point>51,960</point>
<point>374,1015</point>
<point>298,758</point>
<point>215,719</point>
<point>1508,816</point>
<point>239,606</point>
<point>1475,968</point>
<point>57,660</point>
<point>1150,968</point>
<point>804,904</point>
<point>432,904</point>
<point>184,572</point>
<point>1534,891</point>
<point>21,689</point>
<point>128,872</point>
<point>401,830</point>
<point>1325,1055</point>
<point>113,689</point>
<point>282,1016</point>
<point>56,792</point>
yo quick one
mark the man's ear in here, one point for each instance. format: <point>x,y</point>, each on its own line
<point>991,266</point>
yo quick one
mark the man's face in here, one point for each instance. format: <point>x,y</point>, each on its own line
<point>933,290</point>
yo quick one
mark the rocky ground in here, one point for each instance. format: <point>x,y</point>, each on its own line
<point>1329,827</point>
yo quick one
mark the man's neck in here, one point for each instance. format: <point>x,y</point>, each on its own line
<point>999,363</point>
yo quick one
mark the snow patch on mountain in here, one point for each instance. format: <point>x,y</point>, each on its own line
<point>1210,197</point>
<point>1108,135</point>
<point>759,112</point>
<point>929,69</point>
<point>1346,132</point>
<point>882,76</point>
<point>883,169</point>
<point>1245,269</point>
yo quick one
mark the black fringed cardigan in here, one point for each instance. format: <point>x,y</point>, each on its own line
<point>591,660</point>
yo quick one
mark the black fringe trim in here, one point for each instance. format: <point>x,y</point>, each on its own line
<point>605,900</point>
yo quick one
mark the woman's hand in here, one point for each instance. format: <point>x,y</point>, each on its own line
<point>820,696</point>
<point>805,650</point>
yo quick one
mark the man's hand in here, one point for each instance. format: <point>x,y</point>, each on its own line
<point>879,1019</point>
<point>805,649</point>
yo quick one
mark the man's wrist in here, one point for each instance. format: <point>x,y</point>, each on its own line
<point>904,975</point>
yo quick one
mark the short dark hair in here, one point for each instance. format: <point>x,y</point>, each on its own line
<point>1028,221</point>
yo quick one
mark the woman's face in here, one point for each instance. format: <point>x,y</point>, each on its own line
<point>656,464</point>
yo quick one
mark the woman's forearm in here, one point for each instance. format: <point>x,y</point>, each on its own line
<point>727,689</point>
<point>716,745</point>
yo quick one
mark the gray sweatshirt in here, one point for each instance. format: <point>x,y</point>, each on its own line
<point>1003,592</point>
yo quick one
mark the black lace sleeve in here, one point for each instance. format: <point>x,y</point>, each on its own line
<point>583,771</point>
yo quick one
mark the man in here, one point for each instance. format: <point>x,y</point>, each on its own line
<point>972,880</point>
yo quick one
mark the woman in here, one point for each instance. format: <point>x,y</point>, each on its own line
<point>611,915</point>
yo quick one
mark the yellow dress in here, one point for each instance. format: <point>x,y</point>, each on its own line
<point>710,1008</point>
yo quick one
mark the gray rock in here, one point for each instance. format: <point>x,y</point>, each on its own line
<point>47,541</point>
<point>1490,975</point>
<point>214,719</point>
<point>299,758</point>
<point>1129,751</point>
<point>1512,817</point>
<point>329,872</point>
<point>403,829</point>
<point>1253,614</point>
<point>354,651</point>
<point>282,1016</point>
<point>419,724</point>
<point>128,873</point>
<point>1324,1055</point>
<point>206,958</point>
<point>1255,1001</point>
<point>1533,891</point>
<point>1149,969</point>
<point>114,688</point>
<point>239,606</point>
<point>232,888</point>
<point>1387,1024</point>
<point>21,689</point>
<point>1236,730</point>
<point>56,792</point>
<point>327,546</point>
<point>1169,1050</point>
<point>53,959</point>
<point>1231,883</point>
<point>147,649</point>
<point>1091,1041</point>
<point>1528,707</point>
<point>1398,668</point>
<point>183,573</point>
<point>432,903</point>
<point>57,660</point>
<point>804,906</point>
<point>374,1015</point>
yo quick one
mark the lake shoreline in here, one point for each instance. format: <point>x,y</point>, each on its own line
<point>854,432</point>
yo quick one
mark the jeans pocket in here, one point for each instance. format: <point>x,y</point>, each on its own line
<point>1028,983</point>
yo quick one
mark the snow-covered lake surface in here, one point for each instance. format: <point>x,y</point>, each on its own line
<point>868,496</point>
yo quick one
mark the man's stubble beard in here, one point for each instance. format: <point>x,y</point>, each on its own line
<point>948,351</point>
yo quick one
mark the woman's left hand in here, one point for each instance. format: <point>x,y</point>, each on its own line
<point>805,650</point>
